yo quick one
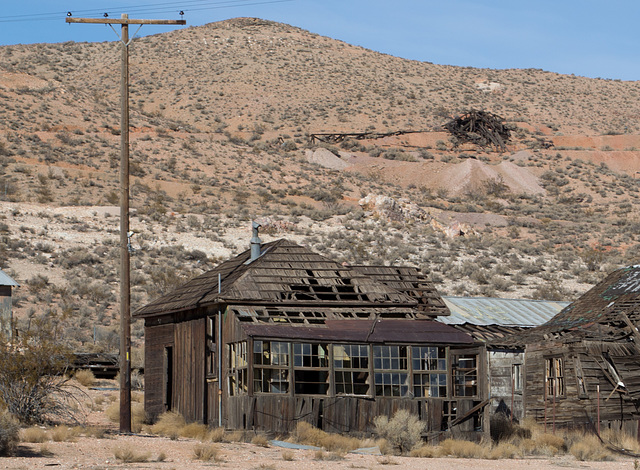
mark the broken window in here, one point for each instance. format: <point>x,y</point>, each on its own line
<point>582,386</point>
<point>516,374</point>
<point>429,371</point>
<point>351,369</point>
<point>270,367</point>
<point>465,375</point>
<point>238,371</point>
<point>391,374</point>
<point>449,413</point>
<point>311,368</point>
<point>554,376</point>
<point>212,366</point>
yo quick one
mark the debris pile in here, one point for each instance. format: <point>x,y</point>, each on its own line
<point>480,128</point>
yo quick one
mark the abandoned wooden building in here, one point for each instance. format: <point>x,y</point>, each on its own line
<point>494,322</point>
<point>6,315</point>
<point>280,334</point>
<point>584,363</point>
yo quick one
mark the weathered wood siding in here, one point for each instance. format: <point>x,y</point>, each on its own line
<point>157,338</point>
<point>574,409</point>
<point>5,310</point>
<point>501,381</point>
<point>281,413</point>
<point>189,370</point>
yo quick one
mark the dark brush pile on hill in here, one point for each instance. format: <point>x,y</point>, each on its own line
<point>481,128</point>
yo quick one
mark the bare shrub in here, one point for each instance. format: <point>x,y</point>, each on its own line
<point>33,384</point>
<point>403,431</point>
<point>288,456</point>
<point>206,452</point>
<point>127,454</point>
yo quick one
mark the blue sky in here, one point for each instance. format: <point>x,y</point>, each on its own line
<point>588,38</point>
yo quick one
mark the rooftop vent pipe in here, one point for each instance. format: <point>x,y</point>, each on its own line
<point>256,243</point>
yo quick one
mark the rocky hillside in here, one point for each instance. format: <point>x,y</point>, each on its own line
<point>229,124</point>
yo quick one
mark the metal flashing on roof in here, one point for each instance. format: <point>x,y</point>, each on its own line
<point>505,312</point>
<point>6,280</point>
<point>365,331</point>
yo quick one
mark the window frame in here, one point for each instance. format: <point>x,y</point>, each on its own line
<point>555,385</point>
<point>388,378</point>
<point>237,369</point>
<point>338,368</point>
<point>211,344</point>
<point>421,367</point>
<point>315,364</point>
<point>276,370</point>
<point>470,375</point>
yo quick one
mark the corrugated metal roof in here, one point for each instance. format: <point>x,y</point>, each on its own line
<point>505,312</point>
<point>6,280</point>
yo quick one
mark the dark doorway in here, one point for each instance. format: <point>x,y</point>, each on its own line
<point>168,377</point>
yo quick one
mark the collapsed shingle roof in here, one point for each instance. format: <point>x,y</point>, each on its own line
<point>610,311</point>
<point>289,275</point>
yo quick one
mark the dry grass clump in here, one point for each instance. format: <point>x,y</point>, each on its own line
<point>217,435</point>
<point>306,434</point>
<point>63,434</point>
<point>195,431</point>
<point>33,435</point>
<point>463,449</point>
<point>169,424</point>
<point>206,452</point>
<point>425,451</point>
<point>85,378</point>
<point>621,439</point>
<point>137,414</point>
<point>260,440</point>
<point>95,432</point>
<point>288,456</point>
<point>505,450</point>
<point>329,456</point>
<point>127,454</point>
<point>590,448</point>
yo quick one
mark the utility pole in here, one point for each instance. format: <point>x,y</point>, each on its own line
<point>125,288</point>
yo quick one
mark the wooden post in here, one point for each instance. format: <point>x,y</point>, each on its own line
<point>513,380</point>
<point>598,417</point>
<point>125,290</point>
<point>545,404</point>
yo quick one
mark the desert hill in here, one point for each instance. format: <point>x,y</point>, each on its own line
<point>224,118</point>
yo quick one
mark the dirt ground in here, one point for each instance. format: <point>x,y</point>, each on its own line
<point>98,454</point>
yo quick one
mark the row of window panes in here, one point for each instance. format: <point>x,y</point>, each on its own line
<point>352,375</point>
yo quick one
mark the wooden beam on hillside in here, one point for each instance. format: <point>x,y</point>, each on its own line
<point>336,137</point>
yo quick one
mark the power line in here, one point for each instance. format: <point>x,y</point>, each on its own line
<point>150,8</point>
